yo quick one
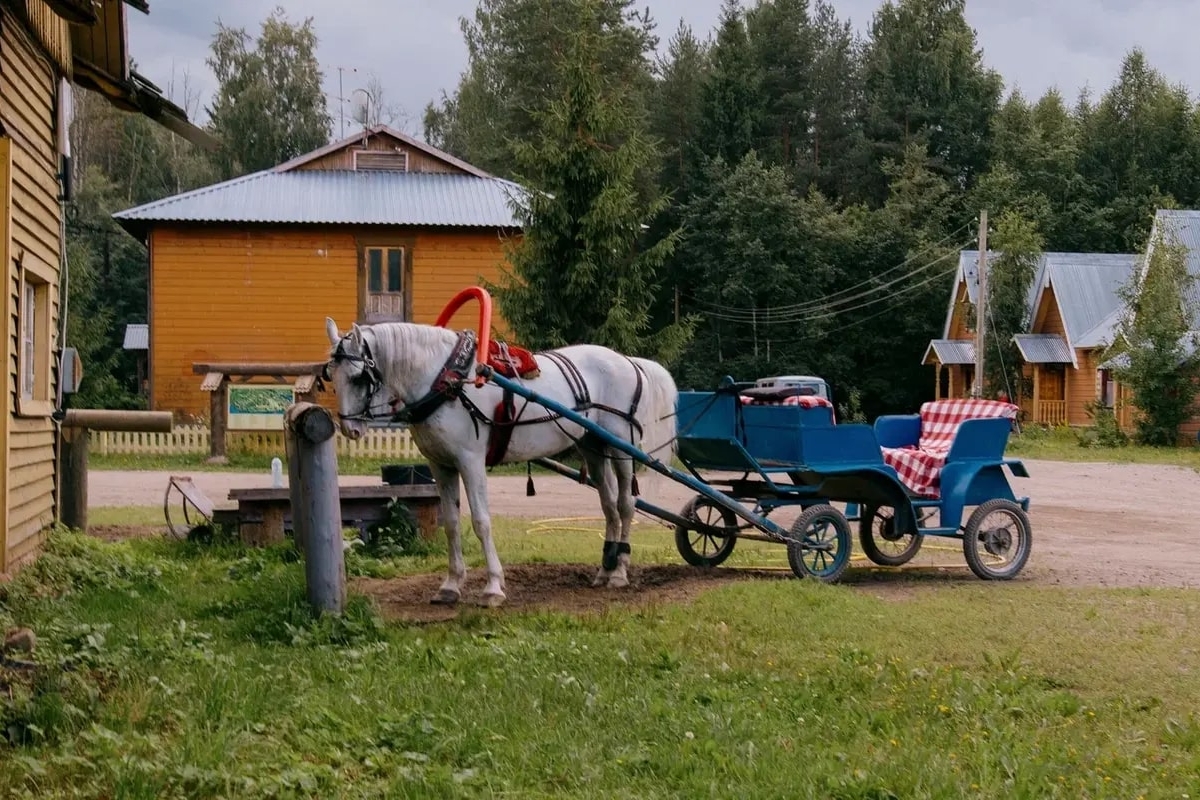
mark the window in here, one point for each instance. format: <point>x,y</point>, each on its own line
<point>1107,388</point>
<point>385,281</point>
<point>34,354</point>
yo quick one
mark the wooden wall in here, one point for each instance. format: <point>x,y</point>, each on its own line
<point>262,294</point>
<point>958,317</point>
<point>1083,387</point>
<point>418,161</point>
<point>28,88</point>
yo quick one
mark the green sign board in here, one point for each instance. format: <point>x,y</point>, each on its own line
<point>259,407</point>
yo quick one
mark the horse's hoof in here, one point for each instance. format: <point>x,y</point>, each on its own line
<point>601,579</point>
<point>445,597</point>
<point>618,582</point>
<point>492,600</point>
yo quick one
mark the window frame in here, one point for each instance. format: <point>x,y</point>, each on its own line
<point>383,244</point>
<point>35,375</point>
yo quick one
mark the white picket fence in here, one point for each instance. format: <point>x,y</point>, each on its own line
<point>194,440</point>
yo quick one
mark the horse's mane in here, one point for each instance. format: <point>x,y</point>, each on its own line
<point>409,348</point>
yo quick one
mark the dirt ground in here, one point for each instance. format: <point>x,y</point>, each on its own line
<point>1093,525</point>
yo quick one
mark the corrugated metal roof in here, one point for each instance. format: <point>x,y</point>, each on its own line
<point>950,351</point>
<point>1086,287</point>
<point>968,270</point>
<point>1103,334</point>
<point>1043,348</point>
<point>341,197</point>
<point>137,337</point>
<point>1189,342</point>
<point>1185,224</point>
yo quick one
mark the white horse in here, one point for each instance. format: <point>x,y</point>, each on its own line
<point>422,375</point>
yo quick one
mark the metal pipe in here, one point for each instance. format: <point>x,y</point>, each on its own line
<point>724,501</point>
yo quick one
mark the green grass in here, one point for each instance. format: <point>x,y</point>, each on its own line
<point>196,672</point>
<point>1063,444</point>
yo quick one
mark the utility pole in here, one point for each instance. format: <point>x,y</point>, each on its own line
<point>342,100</point>
<point>981,305</point>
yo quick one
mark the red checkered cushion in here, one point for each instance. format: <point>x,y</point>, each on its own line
<point>802,400</point>
<point>919,468</point>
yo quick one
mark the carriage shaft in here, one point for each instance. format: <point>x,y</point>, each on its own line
<point>637,454</point>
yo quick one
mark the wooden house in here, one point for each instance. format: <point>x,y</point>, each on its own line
<point>378,226</point>
<point>46,48</point>
<point>1183,227</point>
<point>1074,314</point>
<point>953,355</point>
<point>1073,308</point>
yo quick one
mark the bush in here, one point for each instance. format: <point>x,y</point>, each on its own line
<point>398,535</point>
<point>1104,430</point>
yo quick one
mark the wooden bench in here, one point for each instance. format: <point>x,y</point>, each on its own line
<point>263,515</point>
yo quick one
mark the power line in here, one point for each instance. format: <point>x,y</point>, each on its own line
<point>764,317</point>
<point>831,299</point>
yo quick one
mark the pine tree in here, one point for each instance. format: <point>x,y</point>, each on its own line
<point>732,96</point>
<point>1158,341</point>
<point>1009,278</point>
<point>582,271</point>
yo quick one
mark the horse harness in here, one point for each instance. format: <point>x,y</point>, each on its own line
<point>448,386</point>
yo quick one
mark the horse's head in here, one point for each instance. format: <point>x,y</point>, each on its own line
<point>355,377</point>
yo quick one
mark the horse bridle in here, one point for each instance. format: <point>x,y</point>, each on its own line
<point>447,386</point>
<point>370,375</point>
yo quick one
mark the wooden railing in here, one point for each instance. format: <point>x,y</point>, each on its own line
<point>194,440</point>
<point>1052,412</point>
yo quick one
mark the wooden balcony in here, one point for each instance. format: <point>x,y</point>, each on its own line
<point>1052,412</point>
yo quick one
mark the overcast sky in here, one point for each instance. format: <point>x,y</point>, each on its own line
<point>415,47</point>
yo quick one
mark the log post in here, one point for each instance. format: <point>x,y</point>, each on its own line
<point>218,412</point>
<point>73,500</point>
<point>316,503</point>
<point>76,425</point>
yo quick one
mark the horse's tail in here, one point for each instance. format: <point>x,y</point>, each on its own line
<point>657,414</point>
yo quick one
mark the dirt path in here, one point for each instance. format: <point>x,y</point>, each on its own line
<point>1093,524</point>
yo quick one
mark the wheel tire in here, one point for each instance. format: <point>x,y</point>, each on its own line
<point>815,524</point>
<point>998,539</point>
<point>686,539</point>
<point>866,537</point>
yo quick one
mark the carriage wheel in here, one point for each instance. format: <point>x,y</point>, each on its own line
<point>819,544</point>
<point>997,540</point>
<point>708,544</point>
<point>881,542</point>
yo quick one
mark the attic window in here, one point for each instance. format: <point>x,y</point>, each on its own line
<point>387,160</point>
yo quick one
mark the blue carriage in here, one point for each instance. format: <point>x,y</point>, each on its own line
<point>750,450</point>
<point>905,478</point>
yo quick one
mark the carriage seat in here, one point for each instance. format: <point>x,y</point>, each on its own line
<point>917,446</point>
<point>785,396</point>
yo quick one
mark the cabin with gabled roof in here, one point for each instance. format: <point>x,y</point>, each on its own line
<point>1075,310</point>
<point>378,226</point>
<point>1073,306</point>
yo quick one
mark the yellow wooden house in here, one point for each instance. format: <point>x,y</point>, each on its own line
<point>379,226</point>
<point>953,355</point>
<point>1073,308</point>
<point>47,47</point>
<point>1074,315</point>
